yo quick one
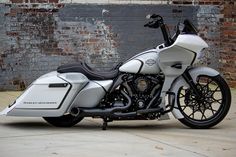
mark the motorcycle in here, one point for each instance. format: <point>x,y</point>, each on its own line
<point>147,86</point>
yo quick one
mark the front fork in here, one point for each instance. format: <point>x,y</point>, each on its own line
<point>187,77</point>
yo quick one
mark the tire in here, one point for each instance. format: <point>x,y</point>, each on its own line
<point>211,99</point>
<point>63,121</point>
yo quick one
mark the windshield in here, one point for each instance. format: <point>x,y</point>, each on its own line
<point>189,28</point>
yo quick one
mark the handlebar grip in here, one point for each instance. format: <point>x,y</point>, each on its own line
<point>152,24</point>
<point>149,24</point>
<point>157,17</point>
<point>154,16</point>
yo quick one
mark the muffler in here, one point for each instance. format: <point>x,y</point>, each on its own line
<point>75,112</point>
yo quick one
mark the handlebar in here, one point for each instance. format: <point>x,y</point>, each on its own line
<point>151,24</point>
<point>157,21</point>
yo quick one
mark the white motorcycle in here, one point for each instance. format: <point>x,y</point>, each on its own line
<point>147,86</point>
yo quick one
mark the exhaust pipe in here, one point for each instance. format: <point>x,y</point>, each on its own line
<point>107,112</point>
<point>115,112</point>
<point>75,112</point>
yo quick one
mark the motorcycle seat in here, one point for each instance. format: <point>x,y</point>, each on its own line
<point>89,72</point>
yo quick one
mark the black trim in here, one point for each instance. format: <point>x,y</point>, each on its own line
<point>177,66</point>
<point>58,85</point>
<point>140,68</point>
<point>65,96</point>
<point>66,93</point>
<point>101,86</point>
<point>194,58</point>
<point>9,106</point>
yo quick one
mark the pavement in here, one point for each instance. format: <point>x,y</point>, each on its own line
<point>27,137</point>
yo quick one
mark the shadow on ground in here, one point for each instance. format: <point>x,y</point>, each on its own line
<point>97,125</point>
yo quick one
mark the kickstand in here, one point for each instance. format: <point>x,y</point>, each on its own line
<point>104,125</point>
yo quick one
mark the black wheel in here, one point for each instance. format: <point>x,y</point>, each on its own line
<point>63,121</point>
<point>210,108</point>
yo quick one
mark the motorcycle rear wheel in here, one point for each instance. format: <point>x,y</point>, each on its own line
<point>211,108</point>
<point>63,121</point>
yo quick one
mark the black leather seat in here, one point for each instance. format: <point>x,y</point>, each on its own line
<point>90,73</point>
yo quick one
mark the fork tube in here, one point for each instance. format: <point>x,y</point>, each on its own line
<point>187,77</point>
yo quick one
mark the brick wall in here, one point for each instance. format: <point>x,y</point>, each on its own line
<point>228,41</point>
<point>39,35</point>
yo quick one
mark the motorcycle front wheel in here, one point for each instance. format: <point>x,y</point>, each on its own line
<point>63,121</point>
<point>208,110</point>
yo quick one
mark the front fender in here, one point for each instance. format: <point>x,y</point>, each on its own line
<point>180,82</point>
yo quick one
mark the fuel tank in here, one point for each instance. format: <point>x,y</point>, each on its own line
<point>142,63</point>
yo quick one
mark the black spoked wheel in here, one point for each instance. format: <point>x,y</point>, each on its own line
<point>63,121</point>
<point>209,109</point>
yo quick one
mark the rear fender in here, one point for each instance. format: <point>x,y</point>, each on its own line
<point>180,82</point>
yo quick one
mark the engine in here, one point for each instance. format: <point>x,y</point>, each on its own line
<point>142,89</point>
<point>142,84</point>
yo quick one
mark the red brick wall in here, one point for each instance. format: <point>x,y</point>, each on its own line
<point>228,41</point>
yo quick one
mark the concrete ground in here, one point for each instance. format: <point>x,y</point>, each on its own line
<point>27,137</point>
